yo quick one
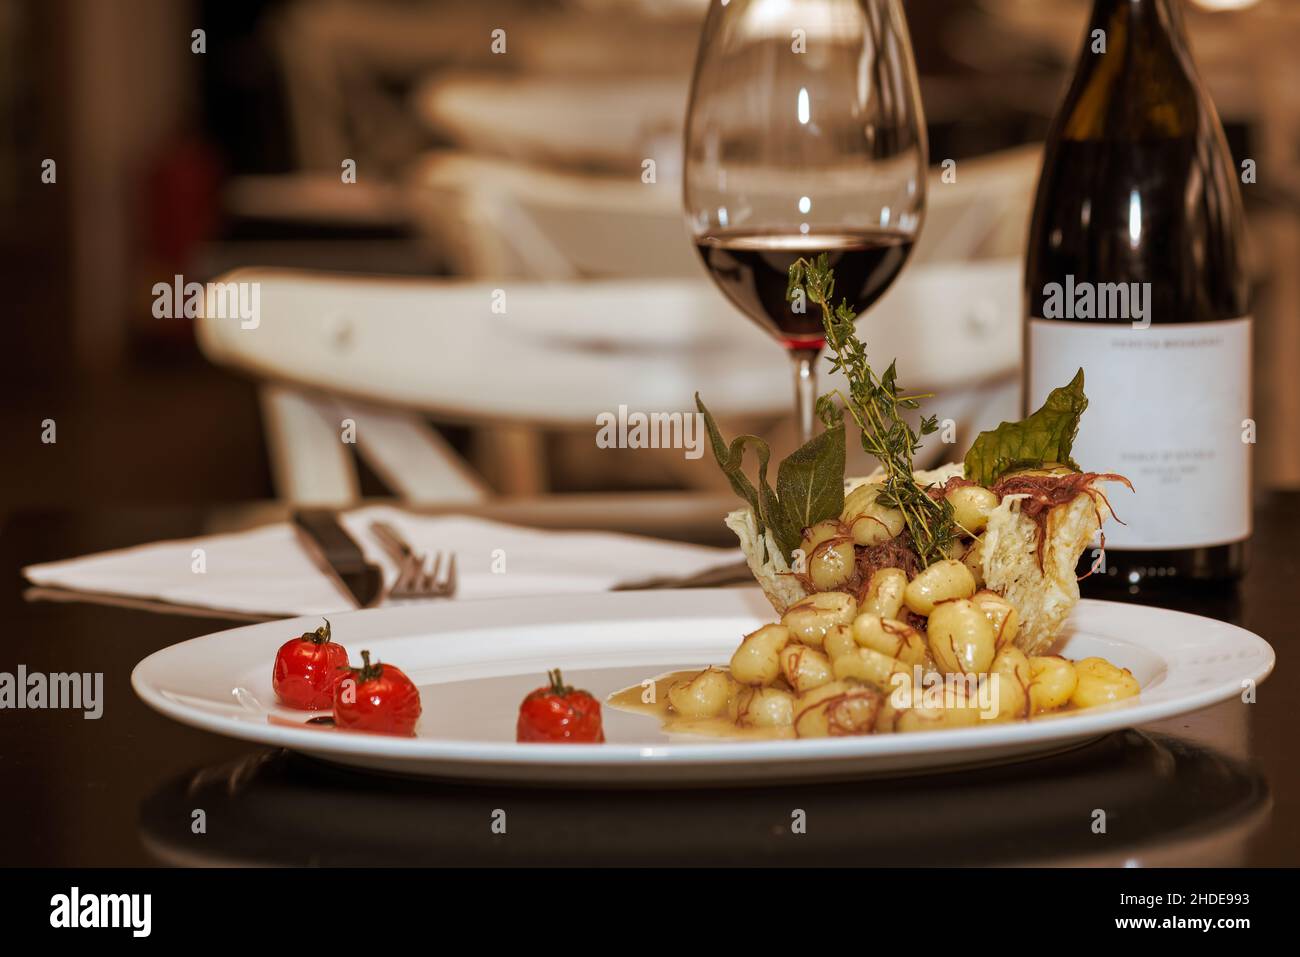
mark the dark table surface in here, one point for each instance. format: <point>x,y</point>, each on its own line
<point>1220,787</point>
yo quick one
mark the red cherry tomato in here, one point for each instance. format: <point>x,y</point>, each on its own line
<point>559,713</point>
<point>307,668</point>
<point>377,698</point>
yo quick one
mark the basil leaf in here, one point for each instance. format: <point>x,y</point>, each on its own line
<point>770,513</point>
<point>810,481</point>
<point>810,486</point>
<point>1045,438</point>
<point>731,458</point>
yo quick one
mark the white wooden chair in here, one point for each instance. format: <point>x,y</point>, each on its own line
<point>356,364</point>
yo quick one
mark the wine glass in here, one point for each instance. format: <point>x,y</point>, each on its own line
<point>804,135</point>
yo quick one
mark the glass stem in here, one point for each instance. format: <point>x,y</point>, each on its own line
<point>805,390</point>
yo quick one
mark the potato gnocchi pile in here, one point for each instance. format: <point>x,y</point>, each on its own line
<point>828,667</point>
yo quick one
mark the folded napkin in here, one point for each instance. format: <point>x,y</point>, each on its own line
<point>266,571</point>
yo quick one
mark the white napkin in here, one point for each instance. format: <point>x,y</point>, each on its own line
<point>266,571</point>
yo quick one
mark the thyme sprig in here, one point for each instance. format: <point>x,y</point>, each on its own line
<point>875,405</point>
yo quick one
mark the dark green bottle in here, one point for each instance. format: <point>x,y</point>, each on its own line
<point>1136,271</point>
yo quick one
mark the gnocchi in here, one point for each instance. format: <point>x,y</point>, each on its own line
<point>1014,677</point>
<point>810,619</point>
<point>828,556</point>
<point>884,595</point>
<point>831,565</point>
<point>839,641</point>
<point>1100,682</point>
<point>961,637</point>
<point>937,652</point>
<point>1001,614</point>
<point>764,708</point>
<point>704,696</point>
<point>804,668</point>
<point>890,637</point>
<point>869,667</point>
<point>1053,684</point>
<point>942,581</point>
<point>838,708</point>
<point>971,507</point>
<point>869,522</point>
<point>758,659</point>
<point>926,719</point>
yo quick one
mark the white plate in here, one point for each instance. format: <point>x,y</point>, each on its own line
<point>475,661</point>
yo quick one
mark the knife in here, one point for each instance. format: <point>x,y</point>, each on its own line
<point>338,556</point>
<point>733,573</point>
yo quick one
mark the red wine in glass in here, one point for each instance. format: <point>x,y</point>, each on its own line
<point>792,151</point>
<point>752,268</point>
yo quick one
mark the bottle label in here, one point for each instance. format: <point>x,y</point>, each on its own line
<point>1169,408</point>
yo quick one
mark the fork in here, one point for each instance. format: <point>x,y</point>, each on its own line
<point>415,578</point>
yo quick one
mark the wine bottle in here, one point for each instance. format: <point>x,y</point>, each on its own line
<point>1136,270</point>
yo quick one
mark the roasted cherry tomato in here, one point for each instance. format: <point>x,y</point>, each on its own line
<point>307,668</point>
<point>561,714</point>
<point>377,698</point>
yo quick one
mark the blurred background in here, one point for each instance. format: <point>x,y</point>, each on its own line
<point>496,145</point>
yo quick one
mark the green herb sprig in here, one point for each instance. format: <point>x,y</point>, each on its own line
<point>875,405</point>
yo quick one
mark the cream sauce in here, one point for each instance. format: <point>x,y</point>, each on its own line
<point>633,700</point>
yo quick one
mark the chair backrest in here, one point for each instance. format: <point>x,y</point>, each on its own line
<point>339,354</point>
<point>574,121</point>
<point>498,218</point>
<point>502,218</point>
<point>980,208</point>
<point>559,353</point>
